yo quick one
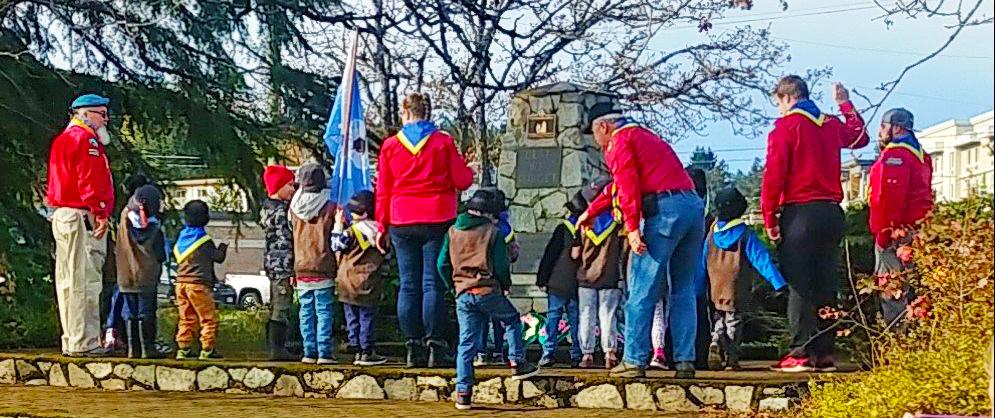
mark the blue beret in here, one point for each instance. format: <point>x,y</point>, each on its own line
<point>89,100</point>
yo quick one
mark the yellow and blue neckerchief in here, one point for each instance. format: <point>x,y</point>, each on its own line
<point>414,135</point>
<point>571,223</point>
<point>190,239</point>
<point>504,226</point>
<point>601,227</point>
<point>808,109</point>
<point>616,202</point>
<point>360,238</point>
<point>729,225</point>
<point>910,143</point>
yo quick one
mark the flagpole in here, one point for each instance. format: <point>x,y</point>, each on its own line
<point>348,79</point>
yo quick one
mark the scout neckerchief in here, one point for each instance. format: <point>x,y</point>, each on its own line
<point>571,223</point>
<point>79,122</point>
<point>190,239</point>
<point>910,143</point>
<point>616,202</point>
<point>601,227</point>
<point>415,135</point>
<point>808,109</point>
<point>720,226</point>
<point>363,234</point>
<point>505,228</point>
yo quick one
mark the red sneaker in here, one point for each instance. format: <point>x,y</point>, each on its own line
<point>790,364</point>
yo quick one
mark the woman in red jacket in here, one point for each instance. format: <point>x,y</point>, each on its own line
<point>419,175</point>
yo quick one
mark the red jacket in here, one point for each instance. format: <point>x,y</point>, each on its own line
<point>803,159</point>
<point>640,163</point>
<point>78,174</point>
<point>900,190</point>
<point>420,187</point>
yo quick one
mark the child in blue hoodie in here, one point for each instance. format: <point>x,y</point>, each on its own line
<point>732,256</point>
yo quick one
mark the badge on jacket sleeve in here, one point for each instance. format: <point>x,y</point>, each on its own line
<point>894,161</point>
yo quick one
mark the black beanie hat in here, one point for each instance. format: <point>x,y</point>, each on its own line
<point>577,204</point>
<point>484,201</point>
<point>196,213</point>
<point>729,204</point>
<point>361,202</point>
<point>311,177</point>
<point>147,197</point>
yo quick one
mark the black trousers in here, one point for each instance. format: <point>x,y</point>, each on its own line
<point>810,253</point>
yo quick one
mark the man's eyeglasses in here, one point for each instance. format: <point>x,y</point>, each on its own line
<point>102,113</point>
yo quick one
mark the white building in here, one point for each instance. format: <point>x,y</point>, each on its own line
<point>219,194</point>
<point>963,161</point>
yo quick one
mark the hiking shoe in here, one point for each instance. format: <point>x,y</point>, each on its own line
<point>547,361</point>
<point>627,370</point>
<point>309,360</point>
<point>464,401</point>
<point>685,370</point>
<point>524,370</point>
<point>659,363</point>
<point>184,353</point>
<point>327,361</point>
<point>714,356</point>
<point>480,360</point>
<point>371,358</point>
<point>824,364</point>
<point>211,354</point>
<point>586,362</point>
<point>791,364</point>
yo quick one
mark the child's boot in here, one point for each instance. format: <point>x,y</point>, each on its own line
<point>411,360</point>
<point>438,355</point>
<point>134,339</point>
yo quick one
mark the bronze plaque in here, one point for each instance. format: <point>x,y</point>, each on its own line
<point>540,126</point>
<point>537,167</point>
<point>531,247</point>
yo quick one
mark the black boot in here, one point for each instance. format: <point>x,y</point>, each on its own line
<point>438,354</point>
<point>147,337</point>
<point>134,339</point>
<point>277,332</point>
<point>412,358</point>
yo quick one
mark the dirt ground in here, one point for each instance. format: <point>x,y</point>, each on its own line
<point>17,401</point>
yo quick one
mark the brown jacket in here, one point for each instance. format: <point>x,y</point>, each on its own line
<point>469,251</point>
<point>313,256</point>
<point>138,262</point>
<point>359,279</point>
<point>198,267</point>
<point>600,265</point>
<point>730,275</point>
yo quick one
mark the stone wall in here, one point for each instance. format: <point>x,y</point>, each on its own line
<point>494,386</point>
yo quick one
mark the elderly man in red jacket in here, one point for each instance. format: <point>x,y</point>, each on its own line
<point>900,196</point>
<point>81,192</point>
<point>801,184</point>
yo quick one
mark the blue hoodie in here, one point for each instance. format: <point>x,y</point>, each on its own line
<point>726,235</point>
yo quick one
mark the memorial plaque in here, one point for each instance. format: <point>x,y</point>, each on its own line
<point>531,247</point>
<point>537,168</point>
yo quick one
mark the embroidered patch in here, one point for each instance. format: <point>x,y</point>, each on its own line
<point>93,142</point>
<point>93,152</point>
<point>894,161</point>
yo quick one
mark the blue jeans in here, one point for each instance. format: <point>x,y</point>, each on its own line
<point>316,322</point>
<point>498,342</point>
<point>420,307</point>
<point>472,312</point>
<point>138,306</point>
<point>673,239</point>
<point>360,322</point>
<point>558,304</point>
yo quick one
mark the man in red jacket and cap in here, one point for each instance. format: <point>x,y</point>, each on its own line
<point>900,196</point>
<point>799,198</point>
<point>81,192</point>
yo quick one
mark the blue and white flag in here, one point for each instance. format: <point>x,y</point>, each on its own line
<point>351,171</point>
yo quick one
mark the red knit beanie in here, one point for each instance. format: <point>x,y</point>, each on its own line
<point>275,177</point>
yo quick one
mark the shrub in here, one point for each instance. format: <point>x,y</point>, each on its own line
<point>938,365</point>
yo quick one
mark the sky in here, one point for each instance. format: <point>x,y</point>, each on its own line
<point>863,53</point>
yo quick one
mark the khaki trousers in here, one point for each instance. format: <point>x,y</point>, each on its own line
<point>79,258</point>
<point>196,306</point>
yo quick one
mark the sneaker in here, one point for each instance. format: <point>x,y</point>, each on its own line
<point>733,366</point>
<point>659,363</point>
<point>714,356</point>
<point>627,370</point>
<point>790,364</point>
<point>211,354</point>
<point>371,358</point>
<point>684,370</point>
<point>586,362</point>
<point>464,401</point>
<point>480,360</point>
<point>524,370</point>
<point>547,361</point>
<point>184,353</point>
<point>355,359</point>
<point>353,349</point>
<point>327,361</point>
<point>110,338</point>
<point>497,358</point>
<point>309,360</point>
<point>824,364</point>
<point>96,352</point>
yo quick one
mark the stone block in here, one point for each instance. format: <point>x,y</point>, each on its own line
<point>258,378</point>
<point>547,401</point>
<point>774,391</point>
<point>113,384</point>
<point>8,372</point>
<point>361,387</point>
<point>236,391</point>
<point>36,382</point>
<point>572,171</point>
<point>708,395</point>
<point>673,398</point>
<point>569,115</point>
<point>506,163</point>
<point>572,138</point>
<point>605,396</point>
<point>403,389</point>
<point>523,218</point>
<point>512,389</point>
<point>638,396</point>
<point>488,392</point>
<point>145,375</point>
<point>429,395</point>
<point>739,398</point>
<point>44,366</point>
<point>552,205</point>
<point>212,378</point>
<point>563,385</point>
<point>25,371</point>
<point>100,370</point>
<point>775,404</point>
<point>432,381</point>
<point>530,390</point>
<point>124,371</point>
<point>238,374</point>
<point>174,379</point>
<point>525,197</point>
<point>78,377</point>
<point>315,395</point>
<point>288,385</point>
<point>324,380</point>
<point>517,111</point>
<point>56,377</point>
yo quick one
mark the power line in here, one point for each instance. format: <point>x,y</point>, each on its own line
<point>886,51</point>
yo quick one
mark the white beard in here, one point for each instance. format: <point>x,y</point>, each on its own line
<point>104,136</point>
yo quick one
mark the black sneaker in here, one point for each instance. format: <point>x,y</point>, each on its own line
<point>524,370</point>
<point>211,354</point>
<point>684,370</point>
<point>547,361</point>
<point>464,400</point>
<point>370,358</point>
<point>714,356</point>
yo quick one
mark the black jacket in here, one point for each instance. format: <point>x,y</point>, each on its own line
<point>557,271</point>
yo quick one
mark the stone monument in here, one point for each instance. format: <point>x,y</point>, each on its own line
<point>544,160</point>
